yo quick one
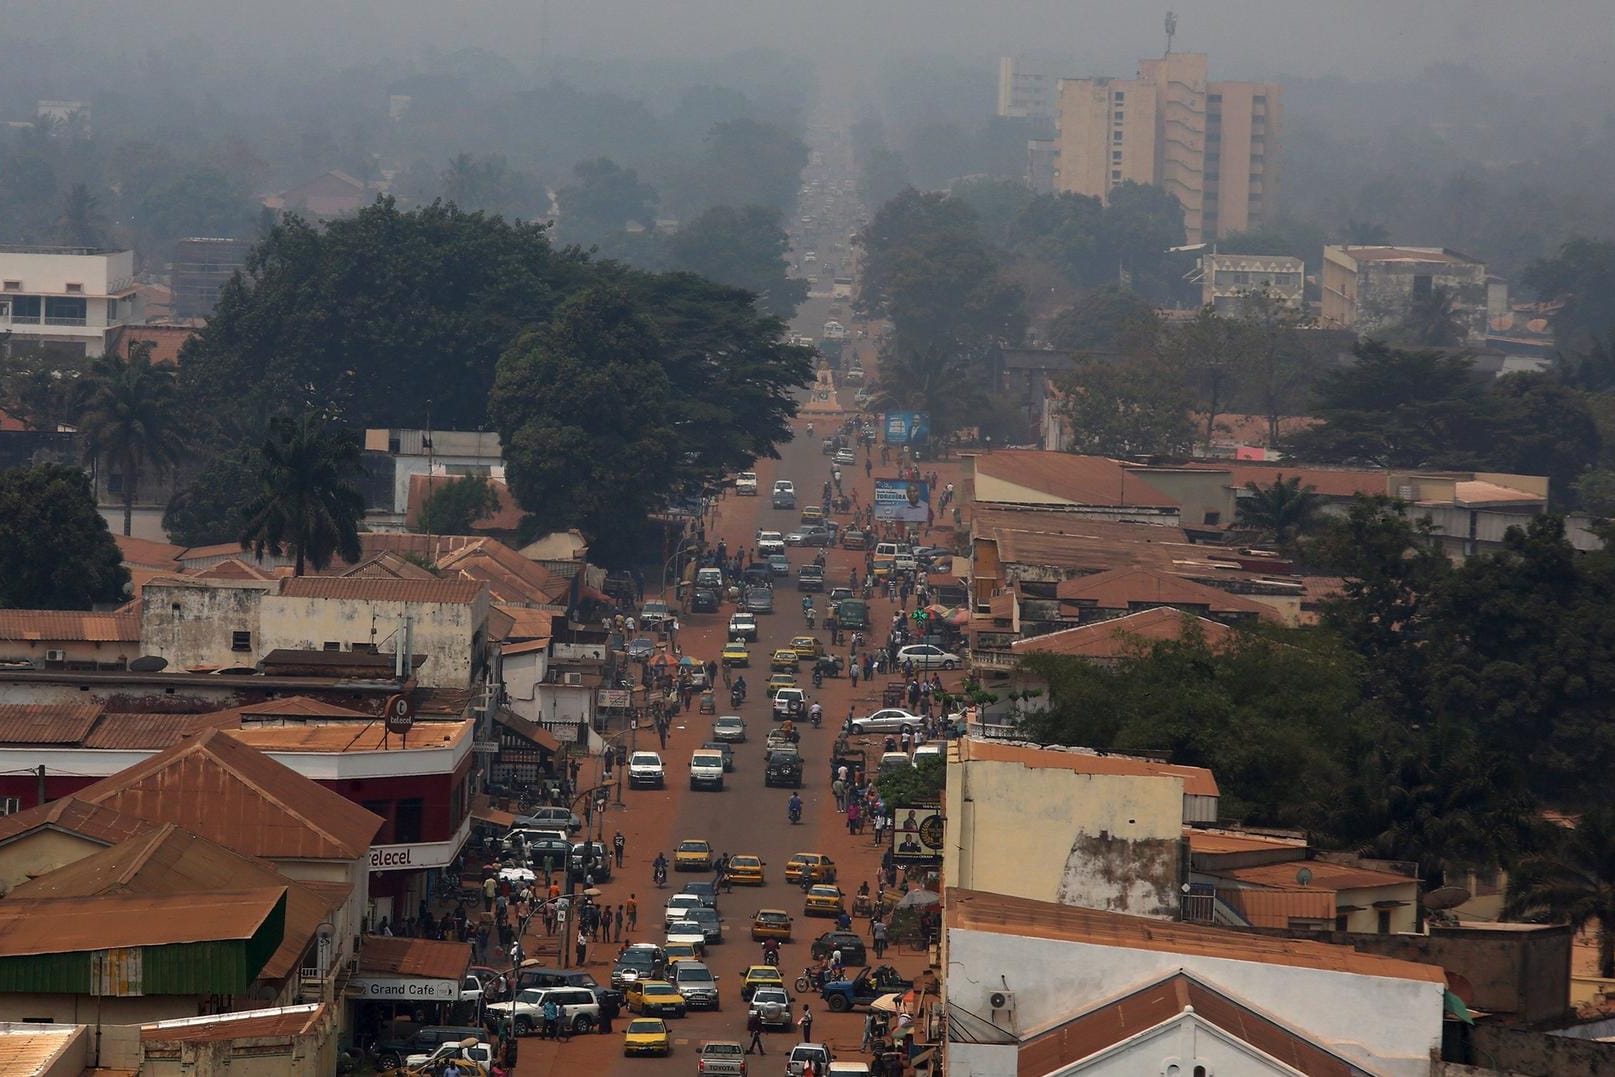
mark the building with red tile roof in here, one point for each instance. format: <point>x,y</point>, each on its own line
<point>1118,637</point>
<point>1130,590</point>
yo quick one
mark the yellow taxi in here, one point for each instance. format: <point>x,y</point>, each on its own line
<point>807,648</point>
<point>760,976</point>
<point>693,854</point>
<point>783,661</point>
<point>674,952</point>
<point>823,900</point>
<point>771,924</point>
<point>812,514</point>
<point>814,867</point>
<point>653,998</point>
<point>746,870</point>
<point>782,680</point>
<point>647,1036</point>
<point>735,653</point>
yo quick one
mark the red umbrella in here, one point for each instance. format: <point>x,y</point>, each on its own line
<point>663,660</point>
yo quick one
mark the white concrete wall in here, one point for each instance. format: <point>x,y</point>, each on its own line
<point>1175,1049</point>
<point>1390,1026</point>
<point>1098,841</point>
<point>191,625</point>
<point>49,274</point>
<point>443,631</point>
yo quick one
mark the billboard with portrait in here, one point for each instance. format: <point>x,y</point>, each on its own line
<point>917,832</point>
<point>906,427</point>
<point>904,500</point>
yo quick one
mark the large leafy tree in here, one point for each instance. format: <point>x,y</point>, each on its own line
<point>1573,881</point>
<point>81,222</point>
<point>1108,319</point>
<point>584,409</point>
<point>1127,407</point>
<point>452,508</point>
<point>943,384</point>
<point>305,499</point>
<point>211,509</point>
<point>603,199</point>
<point>38,385</point>
<point>1432,321</point>
<point>744,247</point>
<point>1580,276</point>
<point>130,418</point>
<point>1212,351</point>
<point>56,552</point>
<point>377,316</point>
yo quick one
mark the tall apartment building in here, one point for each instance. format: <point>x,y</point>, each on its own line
<point>1022,92</point>
<point>1212,144</point>
<point>202,267</point>
<point>76,297</point>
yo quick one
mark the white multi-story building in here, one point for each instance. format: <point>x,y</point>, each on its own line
<point>72,296</point>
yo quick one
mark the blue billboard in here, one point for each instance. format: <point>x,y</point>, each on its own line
<point>906,500</point>
<point>907,427</point>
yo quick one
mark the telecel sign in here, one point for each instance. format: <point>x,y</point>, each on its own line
<point>421,854</point>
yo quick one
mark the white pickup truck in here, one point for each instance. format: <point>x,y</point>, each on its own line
<point>706,769</point>
<point>746,484</point>
<point>645,768</point>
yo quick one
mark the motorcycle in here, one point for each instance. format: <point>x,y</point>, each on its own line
<point>795,812</point>
<point>809,614</point>
<point>660,875</point>
<point>736,695</point>
<point>818,677</point>
<point>816,716</point>
<point>771,956</point>
<point>808,981</point>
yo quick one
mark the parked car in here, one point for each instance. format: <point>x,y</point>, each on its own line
<point>887,720</point>
<point>654,613</point>
<point>927,656</point>
<point>640,649</point>
<point>580,1009</point>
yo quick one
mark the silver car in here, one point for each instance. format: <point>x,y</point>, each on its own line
<point>926,656</point>
<point>887,720</point>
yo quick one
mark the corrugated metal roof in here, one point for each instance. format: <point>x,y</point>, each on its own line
<point>46,723</point>
<point>528,623</point>
<point>31,926</point>
<point>361,589</point>
<point>1276,908</point>
<point>91,821</point>
<point>974,910</point>
<point>67,626</point>
<point>387,566</point>
<point>222,789</point>
<point>1110,1024</point>
<point>169,860</point>
<point>1210,841</point>
<point>252,1024</point>
<point>428,959</point>
<point>1197,781</point>
<point>1326,875</point>
<point>1124,588</point>
<point>133,732</point>
<point>139,551</point>
<point>1080,480</point>
<point>1121,636</point>
<point>233,568</point>
<point>369,736</point>
<point>27,1052</point>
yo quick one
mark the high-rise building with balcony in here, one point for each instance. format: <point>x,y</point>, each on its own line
<point>1212,144</point>
<point>73,297</point>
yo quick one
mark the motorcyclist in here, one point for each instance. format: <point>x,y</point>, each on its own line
<point>771,952</point>
<point>810,429</point>
<point>793,807</point>
<point>816,713</point>
<point>740,686</point>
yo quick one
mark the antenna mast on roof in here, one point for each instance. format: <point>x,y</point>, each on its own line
<point>1171,29</point>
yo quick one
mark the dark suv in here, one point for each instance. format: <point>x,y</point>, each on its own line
<point>784,768</point>
<point>391,1052</point>
<point>551,977</point>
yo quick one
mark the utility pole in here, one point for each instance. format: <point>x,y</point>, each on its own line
<point>1171,30</point>
<point>39,784</point>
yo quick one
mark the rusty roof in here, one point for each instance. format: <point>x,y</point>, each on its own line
<point>1214,841</point>
<point>387,565</point>
<point>222,789</point>
<point>169,860</point>
<point>1121,1019</point>
<point>1277,908</point>
<point>31,926</point>
<point>32,1050</point>
<point>531,730</point>
<point>233,568</point>
<point>427,959</point>
<point>1124,588</point>
<point>133,732</point>
<point>67,626</point>
<point>974,910</point>
<point>139,551</point>
<point>294,707</point>
<point>1122,636</point>
<point>46,723</point>
<point>1326,875</point>
<point>511,577</point>
<point>1197,781</point>
<point>107,826</point>
<point>362,589</point>
<point>371,736</point>
<point>1079,480</point>
<point>247,1025</point>
<point>528,623</point>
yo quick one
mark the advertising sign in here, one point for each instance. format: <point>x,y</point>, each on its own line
<point>616,698</point>
<point>906,427</point>
<point>917,834</point>
<point>907,500</point>
<point>405,989</point>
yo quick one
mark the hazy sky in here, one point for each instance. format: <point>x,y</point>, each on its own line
<point>1246,38</point>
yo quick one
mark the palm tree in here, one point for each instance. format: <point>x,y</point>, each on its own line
<point>1574,882</point>
<point>130,417</point>
<point>943,384</point>
<point>1432,320</point>
<point>306,501</point>
<point>1283,511</point>
<point>81,220</point>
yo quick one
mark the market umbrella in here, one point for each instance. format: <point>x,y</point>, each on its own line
<point>690,660</point>
<point>958,616</point>
<point>663,661</point>
<point>886,1003</point>
<point>593,891</point>
<point>915,899</point>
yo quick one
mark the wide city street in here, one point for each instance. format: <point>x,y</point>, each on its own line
<point>746,817</point>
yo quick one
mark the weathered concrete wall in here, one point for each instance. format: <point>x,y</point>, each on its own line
<point>1099,841</point>
<point>192,625</point>
<point>1540,1054</point>
<point>1385,293</point>
<point>444,632</point>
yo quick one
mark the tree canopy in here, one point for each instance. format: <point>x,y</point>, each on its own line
<point>56,551</point>
<point>305,500</point>
<point>743,247</point>
<point>453,507</point>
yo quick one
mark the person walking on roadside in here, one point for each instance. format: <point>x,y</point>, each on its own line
<point>619,845</point>
<point>877,931</point>
<point>806,1024</point>
<point>839,788</point>
<point>633,912</point>
<point>754,1025</point>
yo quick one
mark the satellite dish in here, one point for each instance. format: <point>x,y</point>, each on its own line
<point>1446,897</point>
<point>148,663</point>
<point>1304,877</point>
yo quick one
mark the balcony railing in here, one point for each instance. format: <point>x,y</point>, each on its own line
<point>987,658</point>
<point>67,321</point>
